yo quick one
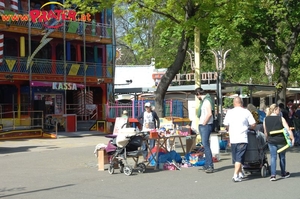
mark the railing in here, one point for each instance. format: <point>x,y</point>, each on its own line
<point>93,29</point>
<point>171,108</point>
<point>49,67</point>
<point>10,120</point>
<point>181,79</point>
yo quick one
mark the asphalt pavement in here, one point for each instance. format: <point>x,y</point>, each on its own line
<point>66,168</point>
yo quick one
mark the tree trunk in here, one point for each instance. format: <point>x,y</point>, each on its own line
<point>170,74</point>
<point>262,103</point>
<point>284,67</point>
<point>283,80</point>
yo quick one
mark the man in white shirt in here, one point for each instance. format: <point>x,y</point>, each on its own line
<point>237,121</point>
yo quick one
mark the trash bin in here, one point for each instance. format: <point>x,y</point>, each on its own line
<point>71,122</point>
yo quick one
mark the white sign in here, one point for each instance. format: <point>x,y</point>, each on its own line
<point>64,86</point>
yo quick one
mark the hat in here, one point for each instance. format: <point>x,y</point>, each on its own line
<point>147,104</point>
<point>125,112</point>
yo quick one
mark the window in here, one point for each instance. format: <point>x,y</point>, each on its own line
<point>10,47</point>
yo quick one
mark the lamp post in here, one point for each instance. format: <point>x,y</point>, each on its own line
<point>269,69</point>
<point>269,66</point>
<point>220,57</point>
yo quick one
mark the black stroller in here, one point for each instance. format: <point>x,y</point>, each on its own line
<point>255,157</point>
<point>126,144</point>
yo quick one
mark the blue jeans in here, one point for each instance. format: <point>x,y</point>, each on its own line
<point>145,149</point>
<point>205,131</point>
<point>273,153</point>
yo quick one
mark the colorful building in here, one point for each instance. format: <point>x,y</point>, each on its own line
<point>59,63</point>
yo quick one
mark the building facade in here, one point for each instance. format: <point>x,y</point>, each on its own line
<point>53,62</point>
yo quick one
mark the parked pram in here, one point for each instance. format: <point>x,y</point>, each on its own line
<point>255,157</point>
<point>125,144</point>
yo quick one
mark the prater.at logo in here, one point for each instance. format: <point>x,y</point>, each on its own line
<point>50,18</point>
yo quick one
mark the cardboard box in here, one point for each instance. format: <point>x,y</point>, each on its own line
<point>190,143</point>
<point>103,159</point>
<point>153,135</point>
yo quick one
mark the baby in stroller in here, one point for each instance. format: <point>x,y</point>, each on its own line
<point>126,144</point>
<point>255,156</point>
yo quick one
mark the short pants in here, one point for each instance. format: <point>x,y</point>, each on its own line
<point>238,152</point>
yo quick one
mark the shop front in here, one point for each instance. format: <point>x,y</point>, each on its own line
<point>51,99</point>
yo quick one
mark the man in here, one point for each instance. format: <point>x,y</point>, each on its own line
<point>206,119</point>
<point>149,121</point>
<point>284,113</point>
<point>237,121</point>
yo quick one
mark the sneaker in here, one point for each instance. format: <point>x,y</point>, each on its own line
<point>203,168</point>
<point>209,170</point>
<point>286,175</point>
<point>236,179</point>
<point>273,178</point>
<point>241,175</point>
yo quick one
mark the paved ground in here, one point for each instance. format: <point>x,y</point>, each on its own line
<point>67,168</point>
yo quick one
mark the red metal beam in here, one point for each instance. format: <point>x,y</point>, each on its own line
<point>54,78</point>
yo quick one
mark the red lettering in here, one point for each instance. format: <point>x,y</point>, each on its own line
<point>72,15</point>
<point>52,15</point>
<point>15,18</point>
<point>64,15</point>
<point>43,17</point>
<point>83,18</point>
<point>58,13</point>
<point>88,17</point>
<point>23,17</point>
<point>34,15</point>
<point>5,17</point>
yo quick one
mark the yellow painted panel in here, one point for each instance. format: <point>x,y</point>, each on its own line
<point>74,69</point>
<point>10,63</point>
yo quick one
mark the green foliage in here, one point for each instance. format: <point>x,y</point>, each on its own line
<point>227,102</point>
<point>250,28</point>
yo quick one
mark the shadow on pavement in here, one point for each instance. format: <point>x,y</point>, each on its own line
<point>7,150</point>
<point>3,190</point>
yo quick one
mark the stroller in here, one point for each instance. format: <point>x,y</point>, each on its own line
<point>255,157</point>
<point>125,144</point>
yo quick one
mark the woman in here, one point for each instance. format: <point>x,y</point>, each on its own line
<point>274,122</point>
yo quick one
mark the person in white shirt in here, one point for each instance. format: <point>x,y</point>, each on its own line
<point>149,121</point>
<point>237,121</point>
<point>205,115</point>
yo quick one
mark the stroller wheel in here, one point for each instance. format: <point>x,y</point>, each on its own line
<point>111,169</point>
<point>127,170</point>
<point>121,168</point>
<point>141,167</point>
<point>263,171</point>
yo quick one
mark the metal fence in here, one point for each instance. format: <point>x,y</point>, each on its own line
<point>171,108</point>
<point>51,67</point>
<point>11,120</point>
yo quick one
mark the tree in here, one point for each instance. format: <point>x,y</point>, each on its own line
<point>177,18</point>
<point>276,26</point>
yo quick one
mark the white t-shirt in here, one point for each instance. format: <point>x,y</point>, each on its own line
<point>238,119</point>
<point>204,112</point>
<point>148,121</point>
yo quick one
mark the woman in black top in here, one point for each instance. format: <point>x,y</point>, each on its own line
<point>274,122</point>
